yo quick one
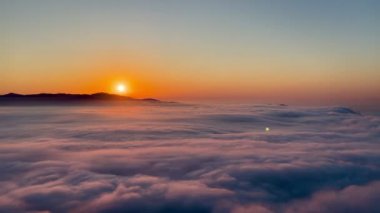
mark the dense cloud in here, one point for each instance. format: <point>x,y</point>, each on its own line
<point>188,159</point>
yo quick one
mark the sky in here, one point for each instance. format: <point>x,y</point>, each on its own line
<point>306,52</point>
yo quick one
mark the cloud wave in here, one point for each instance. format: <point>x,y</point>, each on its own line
<point>189,159</point>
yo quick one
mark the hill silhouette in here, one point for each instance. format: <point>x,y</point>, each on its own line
<point>12,99</point>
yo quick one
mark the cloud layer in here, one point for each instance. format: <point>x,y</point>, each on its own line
<point>188,159</point>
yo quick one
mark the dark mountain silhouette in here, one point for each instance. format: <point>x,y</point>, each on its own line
<point>12,99</point>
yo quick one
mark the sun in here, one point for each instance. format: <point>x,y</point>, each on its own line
<point>121,88</point>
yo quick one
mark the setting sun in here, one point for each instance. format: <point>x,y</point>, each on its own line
<point>121,88</point>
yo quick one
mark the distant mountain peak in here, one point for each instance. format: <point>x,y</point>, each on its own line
<point>345,110</point>
<point>11,94</point>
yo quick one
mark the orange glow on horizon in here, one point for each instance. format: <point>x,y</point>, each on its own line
<point>147,77</point>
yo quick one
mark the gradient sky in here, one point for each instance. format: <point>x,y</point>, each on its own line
<point>316,52</point>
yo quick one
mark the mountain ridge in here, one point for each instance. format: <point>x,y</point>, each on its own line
<point>67,99</point>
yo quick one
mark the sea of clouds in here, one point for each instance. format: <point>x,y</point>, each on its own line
<point>194,158</point>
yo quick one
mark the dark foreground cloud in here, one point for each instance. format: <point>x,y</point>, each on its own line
<point>188,159</point>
